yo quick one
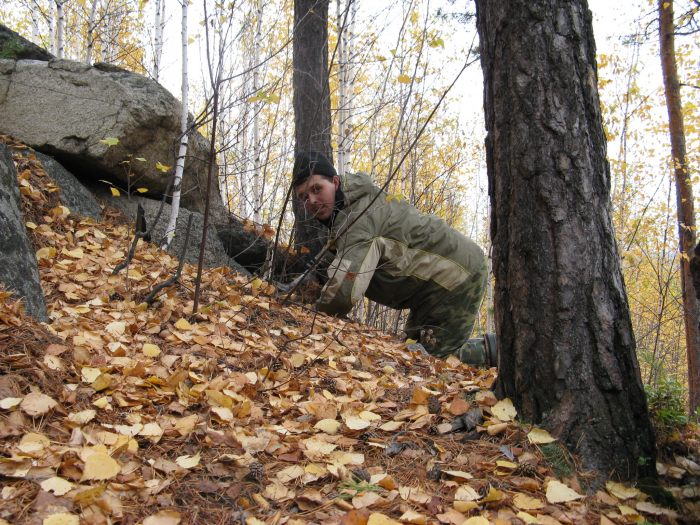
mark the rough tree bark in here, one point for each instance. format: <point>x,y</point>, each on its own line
<point>312,113</point>
<point>684,199</point>
<point>567,357</point>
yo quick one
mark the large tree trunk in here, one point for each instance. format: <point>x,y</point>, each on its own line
<point>312,113</point>
<point>567,356</point>
<point>684,199</point>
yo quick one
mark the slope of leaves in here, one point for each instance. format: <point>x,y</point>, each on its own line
<point>250,411</point>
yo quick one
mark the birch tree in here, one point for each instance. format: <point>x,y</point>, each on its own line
<point>60,27</point>
<point>158,26</point>
<point>684,198</point>
<point>91,26</point>
<point>182,151</point>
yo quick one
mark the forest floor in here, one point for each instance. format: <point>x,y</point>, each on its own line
<point>252,411</point>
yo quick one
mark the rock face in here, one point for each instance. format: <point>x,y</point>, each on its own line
<point>16,47</point>
<point>214,254</point>
<point>73,194</point>
<point>18,267</point>
<point>66,108</point>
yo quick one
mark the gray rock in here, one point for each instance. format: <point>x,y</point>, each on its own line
<point>74,195</point>
<point>214,254</point>
<point>18,268</point>
<point>16,47</point>
<point>65,108</point>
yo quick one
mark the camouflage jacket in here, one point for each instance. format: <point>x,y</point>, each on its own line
<point>392,253</point>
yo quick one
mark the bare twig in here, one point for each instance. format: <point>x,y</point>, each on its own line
<point>151,296</point>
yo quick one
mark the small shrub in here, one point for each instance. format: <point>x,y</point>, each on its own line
<point>667,405</point>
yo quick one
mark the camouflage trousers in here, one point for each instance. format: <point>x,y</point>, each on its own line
<point>443,325</point>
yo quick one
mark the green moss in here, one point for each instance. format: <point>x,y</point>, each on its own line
<point>558,459</point>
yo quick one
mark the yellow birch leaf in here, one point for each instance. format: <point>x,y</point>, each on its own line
<point>377,518</point>
<point>33,442</point>
<point>188,461</point>
<point>411,516</point>
<point>465,506</point>
<point>61,518</point>
<point>527,518</point>
<point>356,423</point>
<point>557,492</point>
<point>77,253</point>
<point>366,499</point>
<point>150,350</point>
<point>504,410</point>
<point>329,426</point>
<point>525,502</point>
<point>458,474</point>
<point>621,491</point>
<point>466,493</point>
<point>49,252</point>
<point>115,191</point>
<point>88,374</point>
<point>103,381</point>
<point>290,473</point>
<point>10,402</point>
<point>30,225</point>
<point>163,517</point>
<point>183,324</point>
<point>391,426</point>
<point>82,417</point>
<point>58,486</point>
<point>477,520</point>
<point>404,79</point>
<point>142,190</point>
<point>102,402</point>
<point>539,436</point>
<point>116,328</point>
<point>100,466</point>
<point>37,404</point>
<point>493,495</point>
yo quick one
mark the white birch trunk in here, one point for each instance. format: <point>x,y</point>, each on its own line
<point>35,21</point>
<point>342,86</point>
<point>52,28</point>
<point>60,27</point>
<point>182,152</point>
<point>91,32</point>
<point>159,25</point>
<point>257,192</point>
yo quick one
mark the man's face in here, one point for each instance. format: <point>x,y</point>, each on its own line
<point>318,195</point>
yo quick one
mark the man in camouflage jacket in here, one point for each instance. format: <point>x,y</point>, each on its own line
<point>388,251</point>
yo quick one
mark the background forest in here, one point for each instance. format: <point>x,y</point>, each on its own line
<point>390,64</point>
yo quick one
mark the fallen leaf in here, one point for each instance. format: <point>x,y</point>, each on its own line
<point>621,491</point>
<point>476,520</point>
<point>37,404</point>
<point>82,417</point>
<point>33,442</point>
<point>356,423</point>
<point>10,402</point>
<point>557,492</point>
<point>525,502</point>
<point>539,436</point>
<point>466,493</point>
<point>329,426</point>
<point>58,486</point>
<point>366,499</point>
<point>150,350</point>
<point>188,461</point>
<point>504,410</point>
<point>100,466</point>
<point>411,516</point>
<point>61,518</point>
<point>164,517</point>
<point>183,324</point>
<point>377,518</point>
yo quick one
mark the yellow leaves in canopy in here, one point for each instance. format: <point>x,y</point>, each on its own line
<point>37,404</point>
<point>404,79</point>
<point>99,465</point>
<point>539,436</point>
<point>557,492</point>
<point>504,410</point>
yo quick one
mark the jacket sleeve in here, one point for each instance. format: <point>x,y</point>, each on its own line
<point>351,271</point>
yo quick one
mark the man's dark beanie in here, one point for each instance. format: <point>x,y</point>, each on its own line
<point>307,163</point>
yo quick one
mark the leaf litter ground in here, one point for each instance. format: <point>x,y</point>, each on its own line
<point>252,411</point>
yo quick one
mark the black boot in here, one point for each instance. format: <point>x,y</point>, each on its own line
<point>480,351</point>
